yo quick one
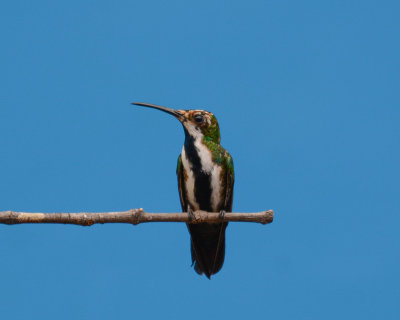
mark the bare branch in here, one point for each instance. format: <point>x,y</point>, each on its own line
<point>134,216</point>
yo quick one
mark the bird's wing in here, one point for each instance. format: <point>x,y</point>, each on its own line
<point>180,172</point>
<point>181,183</point>
<point>230,180</point>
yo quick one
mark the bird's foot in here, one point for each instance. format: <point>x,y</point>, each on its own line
<point>191,214</point>
<point>221,215</point>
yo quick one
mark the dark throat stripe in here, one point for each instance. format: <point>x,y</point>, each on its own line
<point>202,185</point>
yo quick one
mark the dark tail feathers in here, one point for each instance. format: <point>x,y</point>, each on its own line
<point>207,247</point>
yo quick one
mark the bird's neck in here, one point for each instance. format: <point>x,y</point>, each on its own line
<point>198,153</point>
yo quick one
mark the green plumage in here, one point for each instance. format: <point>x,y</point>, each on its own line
<point>205,179</point>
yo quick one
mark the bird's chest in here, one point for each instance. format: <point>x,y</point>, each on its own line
<point>203,185</point>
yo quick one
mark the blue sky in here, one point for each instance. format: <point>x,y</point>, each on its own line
<point>307,97</point>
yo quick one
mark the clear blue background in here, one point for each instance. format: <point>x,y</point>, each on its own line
<point>307,96</point>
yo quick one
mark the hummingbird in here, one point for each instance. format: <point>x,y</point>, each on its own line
<point>205,180</point>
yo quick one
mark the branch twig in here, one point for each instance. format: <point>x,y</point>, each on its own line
<point>133,216</point>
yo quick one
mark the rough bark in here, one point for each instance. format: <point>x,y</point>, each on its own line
<point>133,216</point>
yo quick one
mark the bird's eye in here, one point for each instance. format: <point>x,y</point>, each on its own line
<point>198,118</point>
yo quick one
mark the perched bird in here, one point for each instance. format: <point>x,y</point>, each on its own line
<point>205,179</point>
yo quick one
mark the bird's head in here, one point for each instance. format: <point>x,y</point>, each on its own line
<point>196,123</point>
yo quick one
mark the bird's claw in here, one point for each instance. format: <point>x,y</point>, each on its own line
<point>190,214</point>
<point>221,215</point>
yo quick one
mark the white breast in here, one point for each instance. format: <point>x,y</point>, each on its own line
<point>209,167</point>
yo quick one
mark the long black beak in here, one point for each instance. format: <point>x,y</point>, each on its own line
<point>174,112</point>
